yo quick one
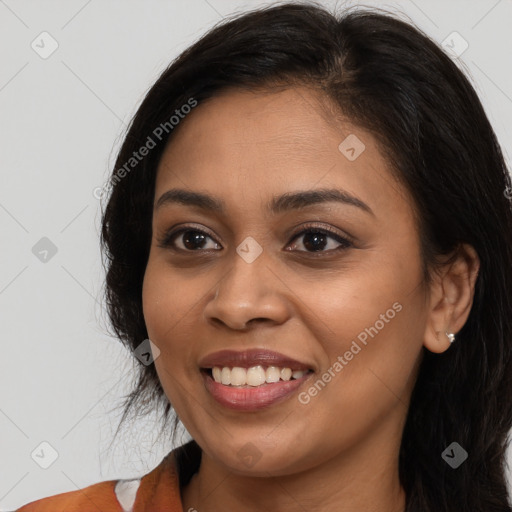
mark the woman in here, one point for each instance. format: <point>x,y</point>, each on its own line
<point>310,220</point>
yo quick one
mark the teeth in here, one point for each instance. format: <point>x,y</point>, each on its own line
<point>254,376</point>
<point>225,376</point>
<point>272,374</point>
<point>286,373</point>
<point>238,376</point>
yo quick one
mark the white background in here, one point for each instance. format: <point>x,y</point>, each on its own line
<point>61,122</point>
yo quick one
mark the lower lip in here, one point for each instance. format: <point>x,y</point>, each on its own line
<point>252,398</point>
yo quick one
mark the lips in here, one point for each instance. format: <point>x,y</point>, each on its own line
<point>253,399</point>
<point>228,378</point>
<point>249,358</point>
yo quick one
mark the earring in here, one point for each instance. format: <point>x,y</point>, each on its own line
<point>450,336</point>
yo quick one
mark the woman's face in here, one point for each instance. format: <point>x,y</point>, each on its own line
<point>345,302</point>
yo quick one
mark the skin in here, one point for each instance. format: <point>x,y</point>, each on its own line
<point>340,450</point>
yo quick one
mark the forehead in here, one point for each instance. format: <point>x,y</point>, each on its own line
<point>266,143</point>
<point>292,120</point>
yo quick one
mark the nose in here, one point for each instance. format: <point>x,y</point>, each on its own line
<point>248,294</point>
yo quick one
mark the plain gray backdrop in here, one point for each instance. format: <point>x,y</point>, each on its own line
<point>72,74</point>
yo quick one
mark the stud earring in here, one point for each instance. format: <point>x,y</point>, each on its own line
<point>450,336</point>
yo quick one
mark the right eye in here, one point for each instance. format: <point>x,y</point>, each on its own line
<point>190,239</point>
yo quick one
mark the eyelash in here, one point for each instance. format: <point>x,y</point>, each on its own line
<point>166,242</point>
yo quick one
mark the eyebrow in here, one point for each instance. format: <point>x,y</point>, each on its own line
<point>278,204</point>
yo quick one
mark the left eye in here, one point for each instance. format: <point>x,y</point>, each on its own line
<point>314,240</point>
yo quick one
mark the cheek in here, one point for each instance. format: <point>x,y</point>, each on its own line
<point>171,308</point>
<point>165,302</point>
<point>154,304</point>
<point>342,308</point>
<point>162,310</point>
<point>372,320</point>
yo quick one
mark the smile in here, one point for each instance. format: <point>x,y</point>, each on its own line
<point>261,394</point>
<point>254,376</point>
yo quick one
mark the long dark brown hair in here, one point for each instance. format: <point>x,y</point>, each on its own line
<point>388,77</point>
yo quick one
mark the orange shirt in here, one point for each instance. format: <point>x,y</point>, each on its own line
<point>157,491</point>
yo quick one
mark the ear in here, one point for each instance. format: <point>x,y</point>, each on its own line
<point>451,297</point>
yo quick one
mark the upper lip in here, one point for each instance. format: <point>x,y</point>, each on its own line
<point>252,357</point>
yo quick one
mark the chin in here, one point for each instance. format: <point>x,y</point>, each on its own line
<point>259,459</point>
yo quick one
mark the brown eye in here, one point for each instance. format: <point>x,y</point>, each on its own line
<point>188,239</point>
<point>317,240</point>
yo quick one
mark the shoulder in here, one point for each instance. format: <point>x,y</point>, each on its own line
<point>107,496</point>
<point>158,490</point>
